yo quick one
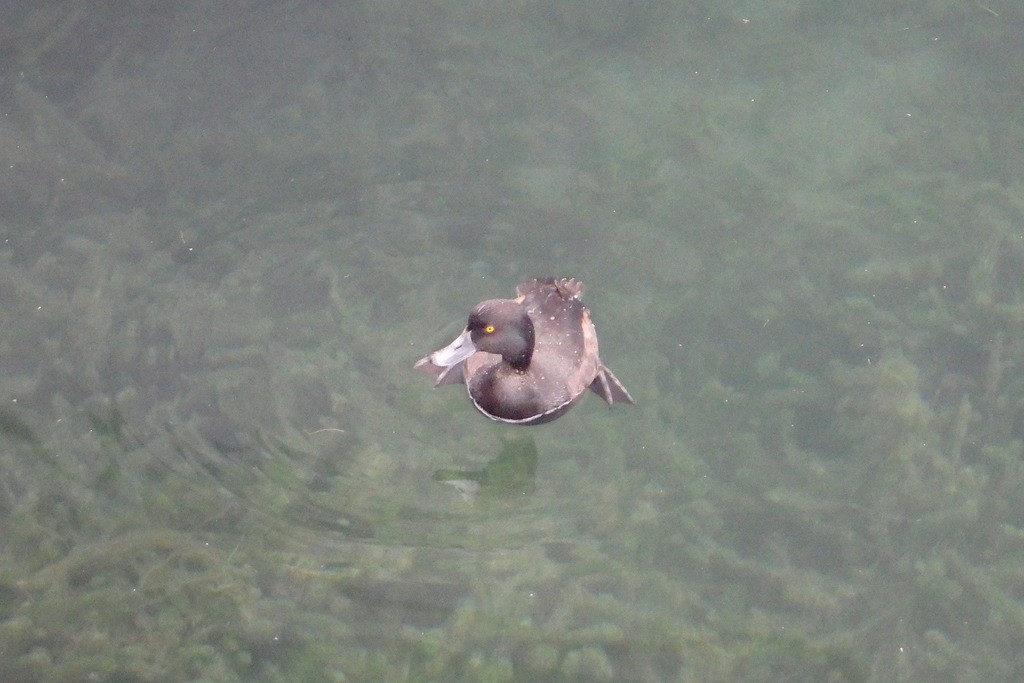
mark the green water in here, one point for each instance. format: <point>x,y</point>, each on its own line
<point>229,232</point>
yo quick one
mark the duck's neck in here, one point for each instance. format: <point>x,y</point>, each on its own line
<point>520,359</point>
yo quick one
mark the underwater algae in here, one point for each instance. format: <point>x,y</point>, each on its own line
<point>146,605</point>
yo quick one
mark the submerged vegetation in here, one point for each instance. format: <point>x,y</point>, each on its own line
<point>217,464</point>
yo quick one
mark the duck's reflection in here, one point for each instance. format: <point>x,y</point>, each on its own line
<point>512,473</point>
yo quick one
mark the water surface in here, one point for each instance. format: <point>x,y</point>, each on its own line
<point>227,234</point>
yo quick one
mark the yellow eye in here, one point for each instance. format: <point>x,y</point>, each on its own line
<point>489,328</point>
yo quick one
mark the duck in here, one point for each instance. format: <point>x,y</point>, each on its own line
<point>528,360</point>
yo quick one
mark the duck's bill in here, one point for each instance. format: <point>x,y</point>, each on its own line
<point>446,364</point>
<point>456,352</point>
